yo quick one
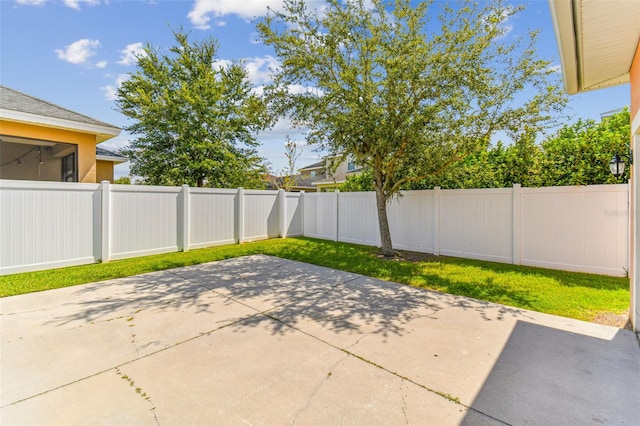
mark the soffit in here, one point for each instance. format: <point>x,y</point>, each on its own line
<point>597,41</point>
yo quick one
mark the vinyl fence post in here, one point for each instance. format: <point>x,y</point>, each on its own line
<point>105,220</point>
<point>517,225</point>
<point>183,219</point>
<point>337,198</point>
<point>282,212</point>
<point>301,207</point>
<point>436,220</point>
<point>240,215</point>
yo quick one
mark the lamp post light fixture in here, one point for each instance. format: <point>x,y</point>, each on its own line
<point>616,165</point>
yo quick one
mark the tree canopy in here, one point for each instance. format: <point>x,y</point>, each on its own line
<point>403,95</point>
<point>579,154</point>
<point>194,122</point>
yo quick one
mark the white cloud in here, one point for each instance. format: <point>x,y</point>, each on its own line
<point>222,64</point>
<point>101,64</point>
<point>555,69</point>
<point>272,145</point>
<point>75,4</point>
<point>255,38</point>
<point>31,2</point>
<point>110,89</point>
<point>298,89</point>
<point>79,51</point>
<point>203,10</point>
<point>260,69</point>
<point>129,54</point>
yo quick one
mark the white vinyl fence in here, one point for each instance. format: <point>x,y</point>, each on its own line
<point>45,225</point>
<point>570,228</point>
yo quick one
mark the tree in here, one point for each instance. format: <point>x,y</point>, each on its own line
<point>401,96</point>
<point>360,182</point>
<point>123,180</point>
<point>194,122</point>
<point>579,154</point>
<point>287,176</point>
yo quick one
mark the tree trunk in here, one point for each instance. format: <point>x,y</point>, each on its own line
<point>383,223</point>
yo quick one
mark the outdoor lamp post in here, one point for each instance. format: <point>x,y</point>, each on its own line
<point>616,165</point>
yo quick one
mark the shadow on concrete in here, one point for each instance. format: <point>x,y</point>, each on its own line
<point>126,296</point>
<point>288,291</point>
<point>546,375</point>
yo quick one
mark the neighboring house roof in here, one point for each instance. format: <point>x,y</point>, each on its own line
<point>306,181</point>
<point>18,106</point>
<point>336,179</point>
<point>314,166</point>
<point>597,41</point>
<point>106,155</point>
<point>607,114</point>
<point>300,182</point>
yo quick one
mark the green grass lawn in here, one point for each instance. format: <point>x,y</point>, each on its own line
<point>574,295</point>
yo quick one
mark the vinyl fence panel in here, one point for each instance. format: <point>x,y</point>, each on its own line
<point>476,224</point>
<point>261,216</point>
<point>411,221</point>
<point>358,218</point>
<point>143,220</point>
<point>576,228</point>
<point>211,217</point>
<point>47,225</point>
<point>293,214</point>
<point>321,215</point>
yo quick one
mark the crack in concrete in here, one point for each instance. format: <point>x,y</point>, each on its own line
<point>404,403</point>
<point>140,392</point>
<point>441,394</point>
<point>130,361</point>
<point>317,388</point>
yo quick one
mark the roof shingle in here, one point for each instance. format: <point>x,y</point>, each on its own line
<point>14,100</point>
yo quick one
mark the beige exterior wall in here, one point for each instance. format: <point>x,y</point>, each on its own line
<point>104,171</point>
<point>634,269</point>
<point>86,143</point>
<point>635,84</point>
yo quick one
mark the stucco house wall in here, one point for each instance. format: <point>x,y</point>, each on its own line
<point>38,137</point>
<point>85,142</point>
<point>104,171</point>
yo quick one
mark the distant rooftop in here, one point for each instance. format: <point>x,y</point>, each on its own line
<point>318,165</point>
<point>610,113</point>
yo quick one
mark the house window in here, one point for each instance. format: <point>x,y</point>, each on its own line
<point>351,166</point>
<point>313,174</point>
<point>69,168</point>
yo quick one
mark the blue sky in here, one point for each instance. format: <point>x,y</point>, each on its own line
<point>74,52</point>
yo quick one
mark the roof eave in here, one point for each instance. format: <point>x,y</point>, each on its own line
<point>102,133</point>
<point>562,15</point>
<point>116,160</point>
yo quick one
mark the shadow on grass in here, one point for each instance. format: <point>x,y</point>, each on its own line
<point>569,279</point>
<point>365,261</point>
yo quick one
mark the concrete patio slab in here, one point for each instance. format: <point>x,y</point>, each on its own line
<point>261,340</point>
<point>104,399</point>
<point>74,336</point>
<point>268,283</point>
